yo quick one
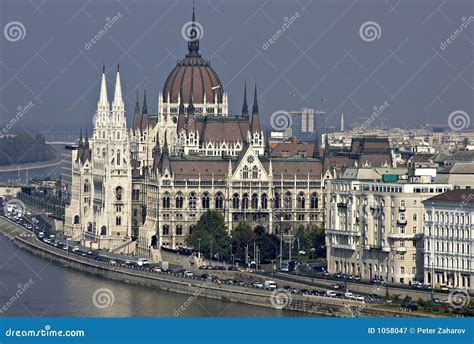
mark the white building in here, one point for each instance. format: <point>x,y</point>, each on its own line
<point>448,241</point>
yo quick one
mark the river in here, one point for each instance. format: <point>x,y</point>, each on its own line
<point>58,291</point>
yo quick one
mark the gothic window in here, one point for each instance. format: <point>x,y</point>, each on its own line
<point>76,219</point>
<point>301,201</point>
<point>277,200</point>
<point>166,230</point>
<point>103,152</point>
<point>118,135</point>
<point>118,193</point>
<point>245,173</point>
<point>118,158</point>
<point>103,230</point>
<point>235,201</point>
<point>287,200</point>
<point>192,200</point>
<point>179,201</point>
<point>166,200</point>
<point>254,172</point>
<point>264,201</point>
<point>179,230</point>
<point>118,221</point>
<point>245,201</point>
<point>219,201</point>
<point>254,201</point>
<point>205,201</point>
<point>314,200</point>
<point>87,187</point>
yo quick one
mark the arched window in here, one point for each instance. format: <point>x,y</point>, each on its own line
<point>314,200</point>
<point>76,219</point>
<point>402,270</point>
<point>277,200</point>
<point>301,201</point>
<point>118,221</point>
<point>287,201</point>
<point>87,186</point>
<point>103,152</point>
<point>118,193</point>
<point>219,201</point>
<point>235,201</point>
<point>205,201</point>
<point>245,172</point>
<point>179,200</point>
<point>192,200</point>
<point>245,201</point>
<point>255,172</point>
<point>264,201</point>
<point>103,230</point>
<point>166,200</point>
<point>254,201</point>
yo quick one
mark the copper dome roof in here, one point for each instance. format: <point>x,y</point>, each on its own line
<point>195,76</point>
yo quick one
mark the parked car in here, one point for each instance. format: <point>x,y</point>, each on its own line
<point>188,274</point>
<point>270,285</point>
<point>441,287</point>
<point>75,248</point>
<point>416,285</point>
<point>156,269</point>
<point>258,285</point>
<point>330,293</point>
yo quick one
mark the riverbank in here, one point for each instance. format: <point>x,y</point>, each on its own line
<point>315,305</point>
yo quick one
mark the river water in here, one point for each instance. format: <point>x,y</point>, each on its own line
<point>57,291</point>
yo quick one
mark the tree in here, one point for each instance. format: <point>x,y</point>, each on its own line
<point>242,236</point>
<point>210,233</point>
<point>317,241</point>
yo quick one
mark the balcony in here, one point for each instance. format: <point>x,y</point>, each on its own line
<point>402,222</point>
<point>342,232</point>
<point>402,208</point>
<point>400,236</point>
<point>342,205</point>
<point>400,249</point>
<point>386,249</point>
<point>344,246</point>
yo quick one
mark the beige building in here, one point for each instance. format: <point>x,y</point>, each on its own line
<point>448,240</point>
<point>374,228</point>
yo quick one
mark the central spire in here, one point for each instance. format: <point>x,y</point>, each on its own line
<point>193,39</point>
<point>118,101</point>
<point>103,102</point>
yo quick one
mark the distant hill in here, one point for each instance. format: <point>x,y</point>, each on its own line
<point>23,147</point>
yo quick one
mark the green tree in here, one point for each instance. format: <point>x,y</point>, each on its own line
<point>242,236</point>
<point>317,241</point>
<point>210,233</point>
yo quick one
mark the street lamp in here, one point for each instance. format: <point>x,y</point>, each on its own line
<point>199,247</point>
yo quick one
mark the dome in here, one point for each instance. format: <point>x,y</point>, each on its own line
<point>195,76</point>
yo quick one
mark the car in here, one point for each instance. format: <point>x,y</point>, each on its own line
<point>302,252</point>
<point>325,274</point>
<point>188,274</point>
<point>315,292</point>
<point>270,285</point>
<point>112,262</point>
<point>305,292</point>
<point>338,286</point>
<point>330,293</point>
<point>219,267</point>
<point>441,287</point>
<point>76,248</point>
<point>65,248</point>
<point>204,276</point>
<point>358,298</point>
<point>157,269</point>
<point>411,306</point>
<point>232,268</point>
<point>203,267</point>
<point>258,285</point>
<point>416,285</point>
<point>348,295</point>
<point>356,278</point>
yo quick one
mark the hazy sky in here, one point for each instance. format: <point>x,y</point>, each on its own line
<point>323,53</point>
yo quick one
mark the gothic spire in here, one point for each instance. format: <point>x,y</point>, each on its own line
<point>164,163</point>
<point>181,118</point>
<point>137,105</point>
<point>255,101</point>
<point>193,37</point>
<point>144,107</point>
<point>245,108</point>
<point>191,109</point>
<point>103,102</point>
<point>118,90</point>
<point>80,139</point>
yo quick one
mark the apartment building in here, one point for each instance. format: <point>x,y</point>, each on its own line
<point>374,225</point>
<point>448,239</point>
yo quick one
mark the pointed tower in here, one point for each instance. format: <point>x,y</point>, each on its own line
<point>193,39</point>
<point>255,125</point>
<point>117,104</point>
<point>191,120</point>
<point>103,104</point>
<point>136,115</point>
<point>181,117</point>
<point>245,108</point>
<point>80,143</point>
<point>164,164</point>
<point>145,107</point>
<point>144,118</point>
<point>316,153</point>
